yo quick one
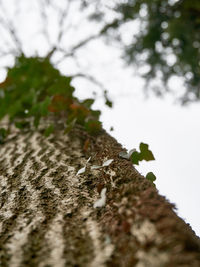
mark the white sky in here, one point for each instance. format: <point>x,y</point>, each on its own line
<point>172,132</point>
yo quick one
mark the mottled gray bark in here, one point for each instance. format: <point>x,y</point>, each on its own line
<point>47,215</point>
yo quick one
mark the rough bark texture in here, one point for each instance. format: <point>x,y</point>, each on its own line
<point>47,216</point>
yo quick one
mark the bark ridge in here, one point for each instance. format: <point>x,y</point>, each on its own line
<point>48,217</point>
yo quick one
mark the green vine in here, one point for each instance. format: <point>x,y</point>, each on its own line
<point>35,89</point>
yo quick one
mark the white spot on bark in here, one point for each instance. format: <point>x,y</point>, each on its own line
<point>82,170</point>
<point>89,159</point>
<point>102,201</point>
<point>107,162</point>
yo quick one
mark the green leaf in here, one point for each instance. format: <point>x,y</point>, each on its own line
<point>151,177</point>
<point>88,102</point>
<point>109,103</point>
<point>49,130</point>
<point>93,127</point>
<point>36,121</point>
<point>44,106</point>
<point>143,147</point>
<point>22,124</point>
<point>3,134</point>
<point>145,153</point>
<point>70,125</point>
<point>96,113</point>
<point>135,157</point>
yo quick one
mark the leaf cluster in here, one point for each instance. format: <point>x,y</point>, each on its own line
<point>143,154</point>
<point>170,31</point>
<point>34,89</point>
<point>136,157</point>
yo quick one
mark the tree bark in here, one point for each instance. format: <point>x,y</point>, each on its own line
<point>48,216</point>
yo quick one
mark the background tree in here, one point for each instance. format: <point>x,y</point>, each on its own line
<point>167,41</point>
<point>54,30</point>
<point>159,37</point>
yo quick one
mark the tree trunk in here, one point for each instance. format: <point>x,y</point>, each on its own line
<point>50,216</point>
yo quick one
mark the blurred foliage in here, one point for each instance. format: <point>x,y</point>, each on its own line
<point>159,37</point>
<point>34,89</point>
<point>167,42</point>
<point>3,134</point>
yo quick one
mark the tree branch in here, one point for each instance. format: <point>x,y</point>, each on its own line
<point>8,25</point>
<point>63,15</point>
<point>91,79</point>
<point>44,20</point>
<point>74,48</point>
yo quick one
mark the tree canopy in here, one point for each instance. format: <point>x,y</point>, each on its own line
<point>159,37</point>
<point>165,44</point>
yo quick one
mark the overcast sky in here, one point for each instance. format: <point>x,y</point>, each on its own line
<point>172,132</point>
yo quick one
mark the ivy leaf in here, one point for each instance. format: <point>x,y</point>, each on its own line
<point>22,124</point>
<point>3,134</point>
<point>44,106</point>
<point>70,125</point>
<point>93,127</point>
<point>36,121</point>
<point>145,153</point>
<point>88,102</point>
<point>59,103</point>
<point>109,103</point>
<point>135,157</point>
<point>49,130</point>
<point>151,177</point>
<point>96,113</point>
